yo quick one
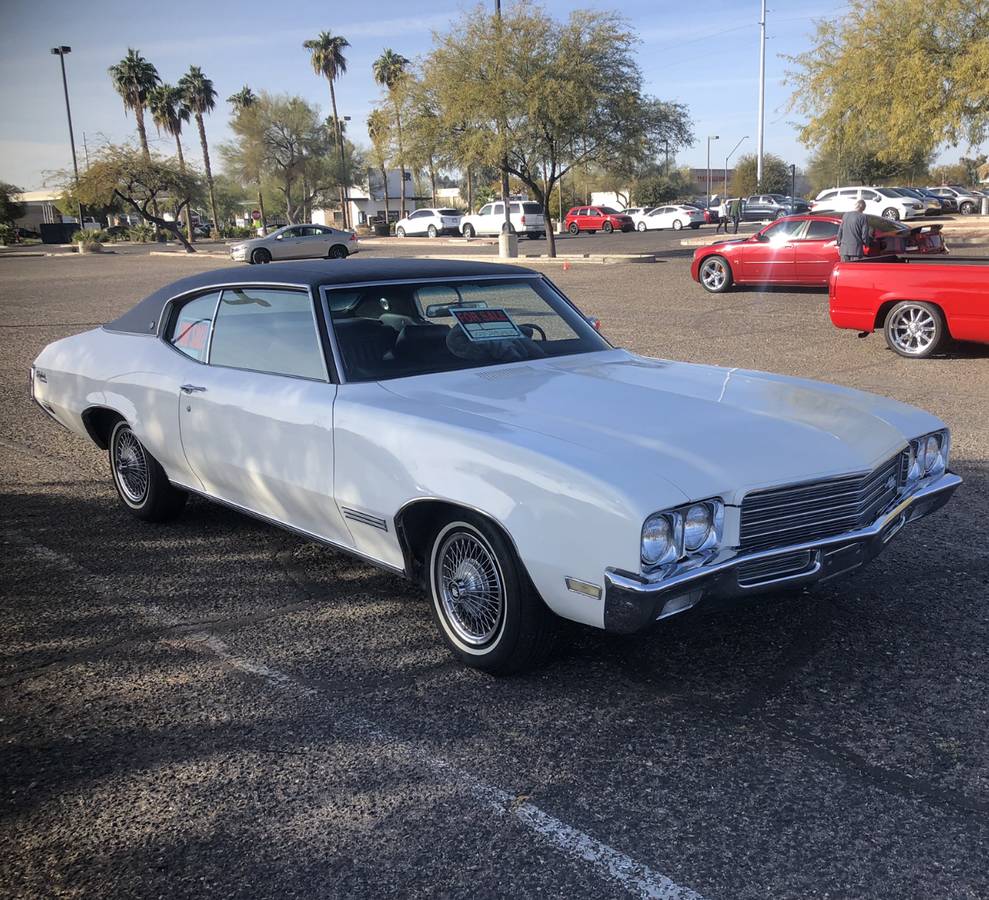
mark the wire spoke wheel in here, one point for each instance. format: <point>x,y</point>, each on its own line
<point>912,329</point>
<point>130,464</point>
<point>471,588</point>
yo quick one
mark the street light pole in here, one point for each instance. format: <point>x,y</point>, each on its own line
<point>762,95</point>
<point>729,156</point>
<point>710,137</point>
<point>60,53</point>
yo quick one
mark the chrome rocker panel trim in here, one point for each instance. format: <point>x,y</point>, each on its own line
<point>635,602</point>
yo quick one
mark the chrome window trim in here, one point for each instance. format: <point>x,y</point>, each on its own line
<point>166,315</point>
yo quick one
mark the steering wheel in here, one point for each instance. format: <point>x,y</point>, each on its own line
<point>530,330</point>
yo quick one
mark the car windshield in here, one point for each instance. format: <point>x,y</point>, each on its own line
<point>888,192</point>
<point>390,331</point>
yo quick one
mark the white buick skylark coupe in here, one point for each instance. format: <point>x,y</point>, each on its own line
<point>464,425</point>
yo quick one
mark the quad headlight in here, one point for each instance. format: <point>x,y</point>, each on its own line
<point>683,532</point>
<point>927,457</point>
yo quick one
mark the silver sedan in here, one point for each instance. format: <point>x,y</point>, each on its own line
<point>297,242</point>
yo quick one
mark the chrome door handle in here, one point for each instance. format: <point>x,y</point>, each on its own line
<point>192,389</point>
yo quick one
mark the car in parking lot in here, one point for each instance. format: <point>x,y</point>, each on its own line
<point>931,205</point>
<point>800,250</point>
<point>429,222</point>
<point>761,207</point>
<point>675,217</point>
<point>967,202</point>
<point>596,218</point>
<point>878,201</point>
<point>633,211</point>
<point>525,216</point>
<point>297,242</point>
<point>462,424</point>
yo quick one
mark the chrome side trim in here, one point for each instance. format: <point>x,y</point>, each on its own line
<point>364,518</point>
<point>301,532</point>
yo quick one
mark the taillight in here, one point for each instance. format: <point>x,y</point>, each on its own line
<point>353,237</point>
<point>523,220</point>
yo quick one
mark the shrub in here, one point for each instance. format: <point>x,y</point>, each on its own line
<point>238,231</point>
<point>142,233</point>
<point>88,241</point>
<point>8,234</point>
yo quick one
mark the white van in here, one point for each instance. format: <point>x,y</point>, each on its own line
<point>525,216</point>
<point>883,202</point>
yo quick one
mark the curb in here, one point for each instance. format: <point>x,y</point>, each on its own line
<point>568,260</point>
<point>200,254</point>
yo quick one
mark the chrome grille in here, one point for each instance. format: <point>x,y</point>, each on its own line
<point>807,512</point>
<point>782,566</point>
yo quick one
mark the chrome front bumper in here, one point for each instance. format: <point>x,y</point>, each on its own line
<point>632,602</point>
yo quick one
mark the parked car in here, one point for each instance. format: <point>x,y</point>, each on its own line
<point>634,211</point>
<point>920,303</point>
<point>28,234</point>
<point>968,203</point>
<point>878,201</point>
<point>463,425</point>
<point>526,219</point>
<point>930,204</point>
<point>948,204</point>
<point>297,242</point>
<point>800,250</point>
<point>597,218</point>
<point>675,217</point>
<point>761,207</point>
<point>430,222</point>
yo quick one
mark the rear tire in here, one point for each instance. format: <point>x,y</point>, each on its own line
<point>141,483</point>
<point>915,329</point>
<point>484,605</point>
<point>338,251</point>
<point>677,225</point>
<point>967,208</point>
<point>431,231</point>
<point>574,229</point>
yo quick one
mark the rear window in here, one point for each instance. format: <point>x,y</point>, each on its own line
<point>608,211</point>
<point>818,230</point>
<point>886,226</point>
<point>448,212</point>
<point>532,209</point>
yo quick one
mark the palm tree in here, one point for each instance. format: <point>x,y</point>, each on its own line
<point>377,129</point>
<point>244,99</point>
<point>326,55</point>
<point>169,112</point>
<point>389,71</point>
<point>134,78</point>
<point>199,95</point>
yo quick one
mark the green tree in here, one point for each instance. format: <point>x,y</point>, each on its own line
<point>379,131</point>
<point>425,137</point>
<point>250,159</point>
<point>134,78</point>
<point>169,113</point>
<point>199,96</point>
<point>844,82</point>
<point>390,71</point>
<point>827,169</point>
<point>10,207</point>
<point>326,55</point>
<point>546,96</point>
<point>775,176</point>
<point>124,175</point>
<point>656,187</point>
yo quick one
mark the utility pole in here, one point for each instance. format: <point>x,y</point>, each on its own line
<point>666,144</point>
<point>710,137</point>
<point>506,247</point>
<point>793,185</point>
<point>729,156</point>
<point>60,52</point>
<point>762,95</point>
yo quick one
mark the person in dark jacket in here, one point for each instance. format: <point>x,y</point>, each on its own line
<point>854,234</point>
<point>735,214</point>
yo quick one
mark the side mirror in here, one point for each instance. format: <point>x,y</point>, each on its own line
<point>279,237</point>
<point>762,237</point>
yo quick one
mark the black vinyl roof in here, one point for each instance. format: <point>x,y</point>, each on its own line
<point>313,273</point>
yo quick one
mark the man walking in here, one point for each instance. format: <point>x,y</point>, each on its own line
<point>735,214</point>
<point>854,234</point>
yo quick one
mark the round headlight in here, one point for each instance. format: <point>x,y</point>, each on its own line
<point>658,543</point>
<point>697,526</point>
<point>932,452</point>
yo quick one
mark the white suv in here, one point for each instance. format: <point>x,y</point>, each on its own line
<point>526,218</point>
<point>883,202</point>
<point>430,222</point>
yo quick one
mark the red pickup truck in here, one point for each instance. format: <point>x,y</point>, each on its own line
<point>919,302</point>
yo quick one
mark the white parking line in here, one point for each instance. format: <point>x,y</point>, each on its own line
<point>638,879</point>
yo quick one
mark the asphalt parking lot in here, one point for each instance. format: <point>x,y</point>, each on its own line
<point>218,708</point>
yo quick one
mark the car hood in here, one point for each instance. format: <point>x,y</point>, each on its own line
<point>708,430</point>
<point>723,243</point>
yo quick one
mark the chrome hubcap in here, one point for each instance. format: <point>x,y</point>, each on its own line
<point>713,274</point>
<point>471,588</point>
<point>131,466</point>
<point>913,329</point>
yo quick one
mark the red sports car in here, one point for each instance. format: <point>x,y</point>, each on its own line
<point>800,250</point>
<point>597,218</point>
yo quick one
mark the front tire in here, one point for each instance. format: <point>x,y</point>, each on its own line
<point>260,257</point>
<point>716,275</point>
<point>574,228</point>
<point>891,214</point>
<point>487,611</point>
<point>914,329</point>
<point>641,226</point>
<point>141,482</point>
<point>607,228</point>
<point>468,231</point>
<point>399,232</point>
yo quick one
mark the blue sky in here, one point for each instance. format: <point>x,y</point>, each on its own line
<point>704,56</point>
